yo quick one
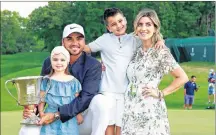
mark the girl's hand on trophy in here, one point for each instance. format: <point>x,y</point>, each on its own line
<point>27,112</point>
<point>41,114</point>
<point>47,119</point>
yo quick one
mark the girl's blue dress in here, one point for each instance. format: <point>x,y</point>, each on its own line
<point>58,94</point>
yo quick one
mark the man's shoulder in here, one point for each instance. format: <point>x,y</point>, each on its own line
<point>187,82</point>
<point>47,60</point>
<point>91,61</point>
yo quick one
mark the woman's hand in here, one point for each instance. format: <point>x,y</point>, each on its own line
<point>147,92</point>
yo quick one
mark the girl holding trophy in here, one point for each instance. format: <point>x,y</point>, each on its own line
<point>58,88</point>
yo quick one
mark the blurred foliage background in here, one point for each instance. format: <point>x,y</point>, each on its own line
<point>42,29</point>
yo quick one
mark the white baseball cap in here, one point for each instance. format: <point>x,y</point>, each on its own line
<point>71,28</point>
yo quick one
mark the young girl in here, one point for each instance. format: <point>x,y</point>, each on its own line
<point>57,89</point>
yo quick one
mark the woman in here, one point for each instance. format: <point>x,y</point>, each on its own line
<point>145,110</point>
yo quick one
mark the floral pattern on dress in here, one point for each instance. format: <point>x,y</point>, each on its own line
<point>147,116</point>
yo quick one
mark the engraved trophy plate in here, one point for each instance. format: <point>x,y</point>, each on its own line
<point>28,92</point>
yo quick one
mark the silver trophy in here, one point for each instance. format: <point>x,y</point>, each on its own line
<point>28,92</point>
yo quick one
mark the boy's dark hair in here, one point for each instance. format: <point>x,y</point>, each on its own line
<point>193,76</point>
<point>110,12</point>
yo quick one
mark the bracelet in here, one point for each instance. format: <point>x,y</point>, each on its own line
<point>160,95</point>
<point>42,99</point>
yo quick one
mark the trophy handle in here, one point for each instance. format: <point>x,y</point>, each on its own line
<point>9,90</point>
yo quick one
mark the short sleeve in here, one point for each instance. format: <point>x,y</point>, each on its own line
<point>168,63</point>
<point>77,86</point>
<point>196,86</point>
<point>185,86</point>
<point>44,84</point>
<point>96,45</point>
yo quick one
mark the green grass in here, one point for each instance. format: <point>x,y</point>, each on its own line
<point>21,61</point>
<point>27,64</point>
<point>192,122</point>
<point>200,70</point>
<point>18,65</point>
<point>182,122</point>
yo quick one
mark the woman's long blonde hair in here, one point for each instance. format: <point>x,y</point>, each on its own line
<point>153,16</point>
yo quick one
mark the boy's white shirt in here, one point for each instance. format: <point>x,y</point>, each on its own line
<point>116,56</point>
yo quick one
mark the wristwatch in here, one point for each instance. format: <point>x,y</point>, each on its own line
<point>56,116</point>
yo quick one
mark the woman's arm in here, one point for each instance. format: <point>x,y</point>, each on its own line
<point>180,78</point>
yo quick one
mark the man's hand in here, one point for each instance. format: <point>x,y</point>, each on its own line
<point>47,119</point>
<point>160,44</point>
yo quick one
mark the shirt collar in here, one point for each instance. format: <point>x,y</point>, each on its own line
<point>81,59</point>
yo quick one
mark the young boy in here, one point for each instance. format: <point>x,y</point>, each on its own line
<point>117,49</point>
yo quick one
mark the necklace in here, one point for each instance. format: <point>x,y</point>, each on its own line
<point>139,61</point>
<point>134,84</point>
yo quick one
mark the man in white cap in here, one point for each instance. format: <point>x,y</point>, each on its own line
<point>88,71</point>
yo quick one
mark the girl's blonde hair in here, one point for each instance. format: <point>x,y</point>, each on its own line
<point>154,18</point>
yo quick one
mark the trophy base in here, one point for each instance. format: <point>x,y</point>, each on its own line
<point>33,120</point>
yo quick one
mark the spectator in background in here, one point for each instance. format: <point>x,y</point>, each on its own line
<point>189,89</point>
<point>211,87</point>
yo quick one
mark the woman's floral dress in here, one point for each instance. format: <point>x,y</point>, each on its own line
<point>147,116</point>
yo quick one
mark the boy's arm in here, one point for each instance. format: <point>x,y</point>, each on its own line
<point>160,44</point>
<point>96,45</point>
<point>87,49</point>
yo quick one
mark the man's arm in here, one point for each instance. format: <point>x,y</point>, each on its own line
<point>90,88</point>
<point>185,87</point>
<point>184,92</point>
<point>196,87</point>
<point>46,68</point>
